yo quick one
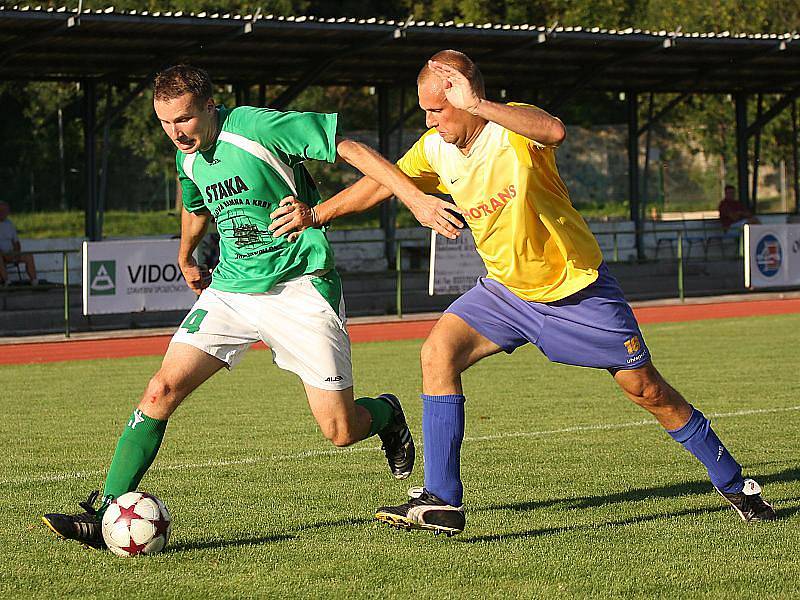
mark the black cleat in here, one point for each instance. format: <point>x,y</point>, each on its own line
<point>749,503</point>
<point>424,511</point>
<point>84,527</point>
<point>398,445</point>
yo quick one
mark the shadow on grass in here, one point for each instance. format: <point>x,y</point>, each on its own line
<point>347,522</point>
<point>229,543</point>
<point>266,539</point>
<point>687,488</point>
<point>500,537</point>
<point>670,491</point>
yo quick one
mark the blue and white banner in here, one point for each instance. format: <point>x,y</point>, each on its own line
<point>133,276</point>
<point>772,256</point>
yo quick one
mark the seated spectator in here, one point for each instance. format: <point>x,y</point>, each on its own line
<point>10,248</point>
<point>733,214</point>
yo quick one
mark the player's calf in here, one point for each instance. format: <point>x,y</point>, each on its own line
<point>647,388</point>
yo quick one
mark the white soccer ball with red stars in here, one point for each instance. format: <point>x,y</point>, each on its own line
<point>136,523</point>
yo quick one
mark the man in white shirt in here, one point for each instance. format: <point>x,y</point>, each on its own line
<point>10,248</point>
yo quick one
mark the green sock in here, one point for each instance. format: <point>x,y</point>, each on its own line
<point>136,450</point>
<point>379,410</point>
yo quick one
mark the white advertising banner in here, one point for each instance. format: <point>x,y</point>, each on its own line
<point>133,276</point>
<point>455,264</point>
<point>772,256</point>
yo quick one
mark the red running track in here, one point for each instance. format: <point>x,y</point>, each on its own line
<point>42,352</point>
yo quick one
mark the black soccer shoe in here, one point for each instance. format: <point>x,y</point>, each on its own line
<point>424,511</point>
<point>749,503</point>
<point>84,527</point>
<point>398,445</point>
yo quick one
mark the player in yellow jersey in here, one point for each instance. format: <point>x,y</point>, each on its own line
<point>546,283</point>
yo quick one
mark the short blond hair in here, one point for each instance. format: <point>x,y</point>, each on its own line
<point>461,63</point>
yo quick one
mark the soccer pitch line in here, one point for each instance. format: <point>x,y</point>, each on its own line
<point>44,479</point>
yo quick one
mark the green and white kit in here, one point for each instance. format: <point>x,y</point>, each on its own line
<point>285,293</point>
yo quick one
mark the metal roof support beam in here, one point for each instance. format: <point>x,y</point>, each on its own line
<point>633,167</point>
<point>703,74</point>
<point>590,73</point>
<point>90,164</point>
<point>743,134</point>
<point>108,120</point>
<point>757,153</point>
<point>646,174</point>
<point>297,88</point>
<point>72,21</point>
<point>795,159</point>
<point>388,207</point>
<point>405,116</point>
<point>402,110</point>
<point>662,113</point>
<point>112,114</point>
<point>312,74</point>
<point>165,59</point>
<point>773,112</point>
<point>540,38</point>
<point>742,171</point>
<point>101,196</point>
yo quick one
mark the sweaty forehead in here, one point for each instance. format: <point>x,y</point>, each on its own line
<point>431,93</point>
<point>177,107</point>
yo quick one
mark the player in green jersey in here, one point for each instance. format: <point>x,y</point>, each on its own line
<point>236,166</point>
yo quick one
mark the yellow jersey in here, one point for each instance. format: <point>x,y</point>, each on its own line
<point>526,230</point>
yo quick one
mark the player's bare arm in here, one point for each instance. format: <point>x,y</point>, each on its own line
<point>528,121</point>
<point>292,217</point>
<point>193,228</point>
<point>432,210</point>
<point>383,179</point>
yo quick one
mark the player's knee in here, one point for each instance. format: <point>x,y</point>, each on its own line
<point>343,440</point>
<point>651,394</point>
<point>437,357</point>
<point>339,434</point>
<point>160,391</point>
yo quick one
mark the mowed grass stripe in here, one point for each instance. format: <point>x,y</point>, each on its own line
<point>54,478</point>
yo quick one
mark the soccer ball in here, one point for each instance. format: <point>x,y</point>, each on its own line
<point>136,523</point>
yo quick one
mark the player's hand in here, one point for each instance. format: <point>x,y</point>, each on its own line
<point>437,214</point>
<point>457,89</point>
<point>291,217</point>
<point>197,277</point>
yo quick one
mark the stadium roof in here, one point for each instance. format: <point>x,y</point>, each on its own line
<point>43,44</point>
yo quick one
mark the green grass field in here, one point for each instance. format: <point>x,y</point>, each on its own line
<point>571,490</point>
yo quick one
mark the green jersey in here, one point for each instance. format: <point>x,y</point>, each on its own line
<point>257,160</point>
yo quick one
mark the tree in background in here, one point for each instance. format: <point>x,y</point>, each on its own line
<point>141,159</point>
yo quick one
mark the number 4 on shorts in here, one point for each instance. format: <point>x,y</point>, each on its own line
<point>192,322</point>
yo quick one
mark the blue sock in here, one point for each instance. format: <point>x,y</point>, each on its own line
<point>699,439</point>
<point>443,432</point>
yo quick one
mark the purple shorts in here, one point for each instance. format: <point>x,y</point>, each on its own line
<point>594,327</point>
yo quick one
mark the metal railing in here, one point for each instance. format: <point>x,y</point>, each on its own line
<point>682,237</point>
<point>65,277</point>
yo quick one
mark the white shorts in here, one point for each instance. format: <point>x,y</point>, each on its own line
<point>305,334</point>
